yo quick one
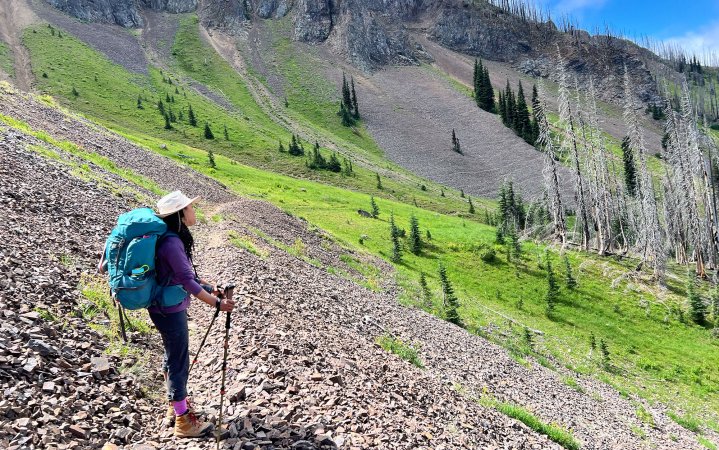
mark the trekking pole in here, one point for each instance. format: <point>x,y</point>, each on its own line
<point>225,293</point>
<point>122,321</point>
<point>202,344</point>
<point>218,432</point>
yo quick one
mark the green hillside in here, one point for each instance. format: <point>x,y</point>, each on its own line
<point>653,350</point>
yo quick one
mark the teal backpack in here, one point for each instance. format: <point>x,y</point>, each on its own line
<point>130,259</point>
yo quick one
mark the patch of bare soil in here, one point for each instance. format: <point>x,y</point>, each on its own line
<point>119,44</point>
<point>15,15</point>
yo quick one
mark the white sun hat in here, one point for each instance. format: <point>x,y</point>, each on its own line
<point>173,202</point>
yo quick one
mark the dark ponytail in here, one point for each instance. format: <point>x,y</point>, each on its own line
<point>175,225</point>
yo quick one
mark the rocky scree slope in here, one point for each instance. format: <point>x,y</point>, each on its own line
<point>299,384</point>
<point>304,370</point>
<point>373,33</point>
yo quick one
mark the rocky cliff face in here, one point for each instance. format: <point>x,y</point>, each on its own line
<point>125,13</point>
<point>373,33</point>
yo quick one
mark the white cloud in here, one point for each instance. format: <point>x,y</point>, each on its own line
<point>703,42</point>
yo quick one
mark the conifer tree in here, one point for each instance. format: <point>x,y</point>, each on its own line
<point>450,302</point>
<point>346,116</point>
<point>139,102</point>
<point>208,132</point>
<point>569,279</point>
<point>514,244</point>
<point>523,128</point>
<point>461,193</point>
<point>173,119</point>
<point>167,98</point>
<point>346,94</point>
<point>477,83</point>
<point>394,234</point>
<point>374,207</point>
<point>552,289</point>
<point>211,159</point>
<point>415,238</point>
<point>75,93</point>
<point>334,165</point>
<point>168,125</point>
<point>488,91</point>
<point>355,108</point>
<point>296,148</point>
<point>502,107</point>
<point>426,293</point>
<point>161,107</point>
<point>191,118</point>
<point>455,143</point>
<point>281,147</point>
<point>630,168</point>
<point>605,351</point>
<point>697,309</point>
<point>379,181</point>
<point>227,136</point>
<point>471,205</point>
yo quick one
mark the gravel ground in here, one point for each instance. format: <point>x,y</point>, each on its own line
<point>304,370</point>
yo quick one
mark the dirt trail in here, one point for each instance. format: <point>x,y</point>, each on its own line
<point>15,15</point>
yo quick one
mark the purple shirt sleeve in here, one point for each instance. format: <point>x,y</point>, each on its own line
<point>172,259</point>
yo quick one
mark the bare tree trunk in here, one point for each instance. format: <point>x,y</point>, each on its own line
<point>551,179</point>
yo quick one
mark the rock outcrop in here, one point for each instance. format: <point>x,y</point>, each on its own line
<point>374,33</point>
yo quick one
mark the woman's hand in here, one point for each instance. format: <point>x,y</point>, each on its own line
<point>226,305</point>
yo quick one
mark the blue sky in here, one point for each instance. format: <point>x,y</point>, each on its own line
<point>693,24</point>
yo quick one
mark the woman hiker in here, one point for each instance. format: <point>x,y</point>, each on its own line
<point>174,261</point>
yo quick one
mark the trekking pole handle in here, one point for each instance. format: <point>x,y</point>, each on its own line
<point>227,321</point>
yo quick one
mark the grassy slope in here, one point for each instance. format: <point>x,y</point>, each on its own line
<point>654,358</point>
<point>6,59</point>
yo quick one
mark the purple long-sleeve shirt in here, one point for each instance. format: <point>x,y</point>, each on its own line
<point>172,260</point>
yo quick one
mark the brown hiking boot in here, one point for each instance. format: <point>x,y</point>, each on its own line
<point>169,419</point>
<point>188,425</point>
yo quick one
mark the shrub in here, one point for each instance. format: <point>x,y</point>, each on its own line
<point>399,348</point>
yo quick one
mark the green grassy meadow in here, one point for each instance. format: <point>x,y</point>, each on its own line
<point>653,352</point>
<point>7,62</point>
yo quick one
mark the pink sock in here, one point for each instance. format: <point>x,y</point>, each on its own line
<point>180,407</point>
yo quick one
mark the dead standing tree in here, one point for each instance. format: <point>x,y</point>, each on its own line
<point>649,233</point>
<point>551,179</point>
<point>568,125</point>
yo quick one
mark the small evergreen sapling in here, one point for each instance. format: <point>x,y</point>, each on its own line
<point>569,279</point>
<point>374,207</point>
<point>211,159</point>
<point>379,181</point>
<point>451,303</point>
<point>191,118</point>
<point>415,238</point>
<point>394,234</point>
<point>426,293</point>
<point>552,290</point>
<point>697,309</point>
<point>227,136</point>
<point>605,352</point>
<point>471,205</point>
<point>208,132</point>
<point>168,125</point>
